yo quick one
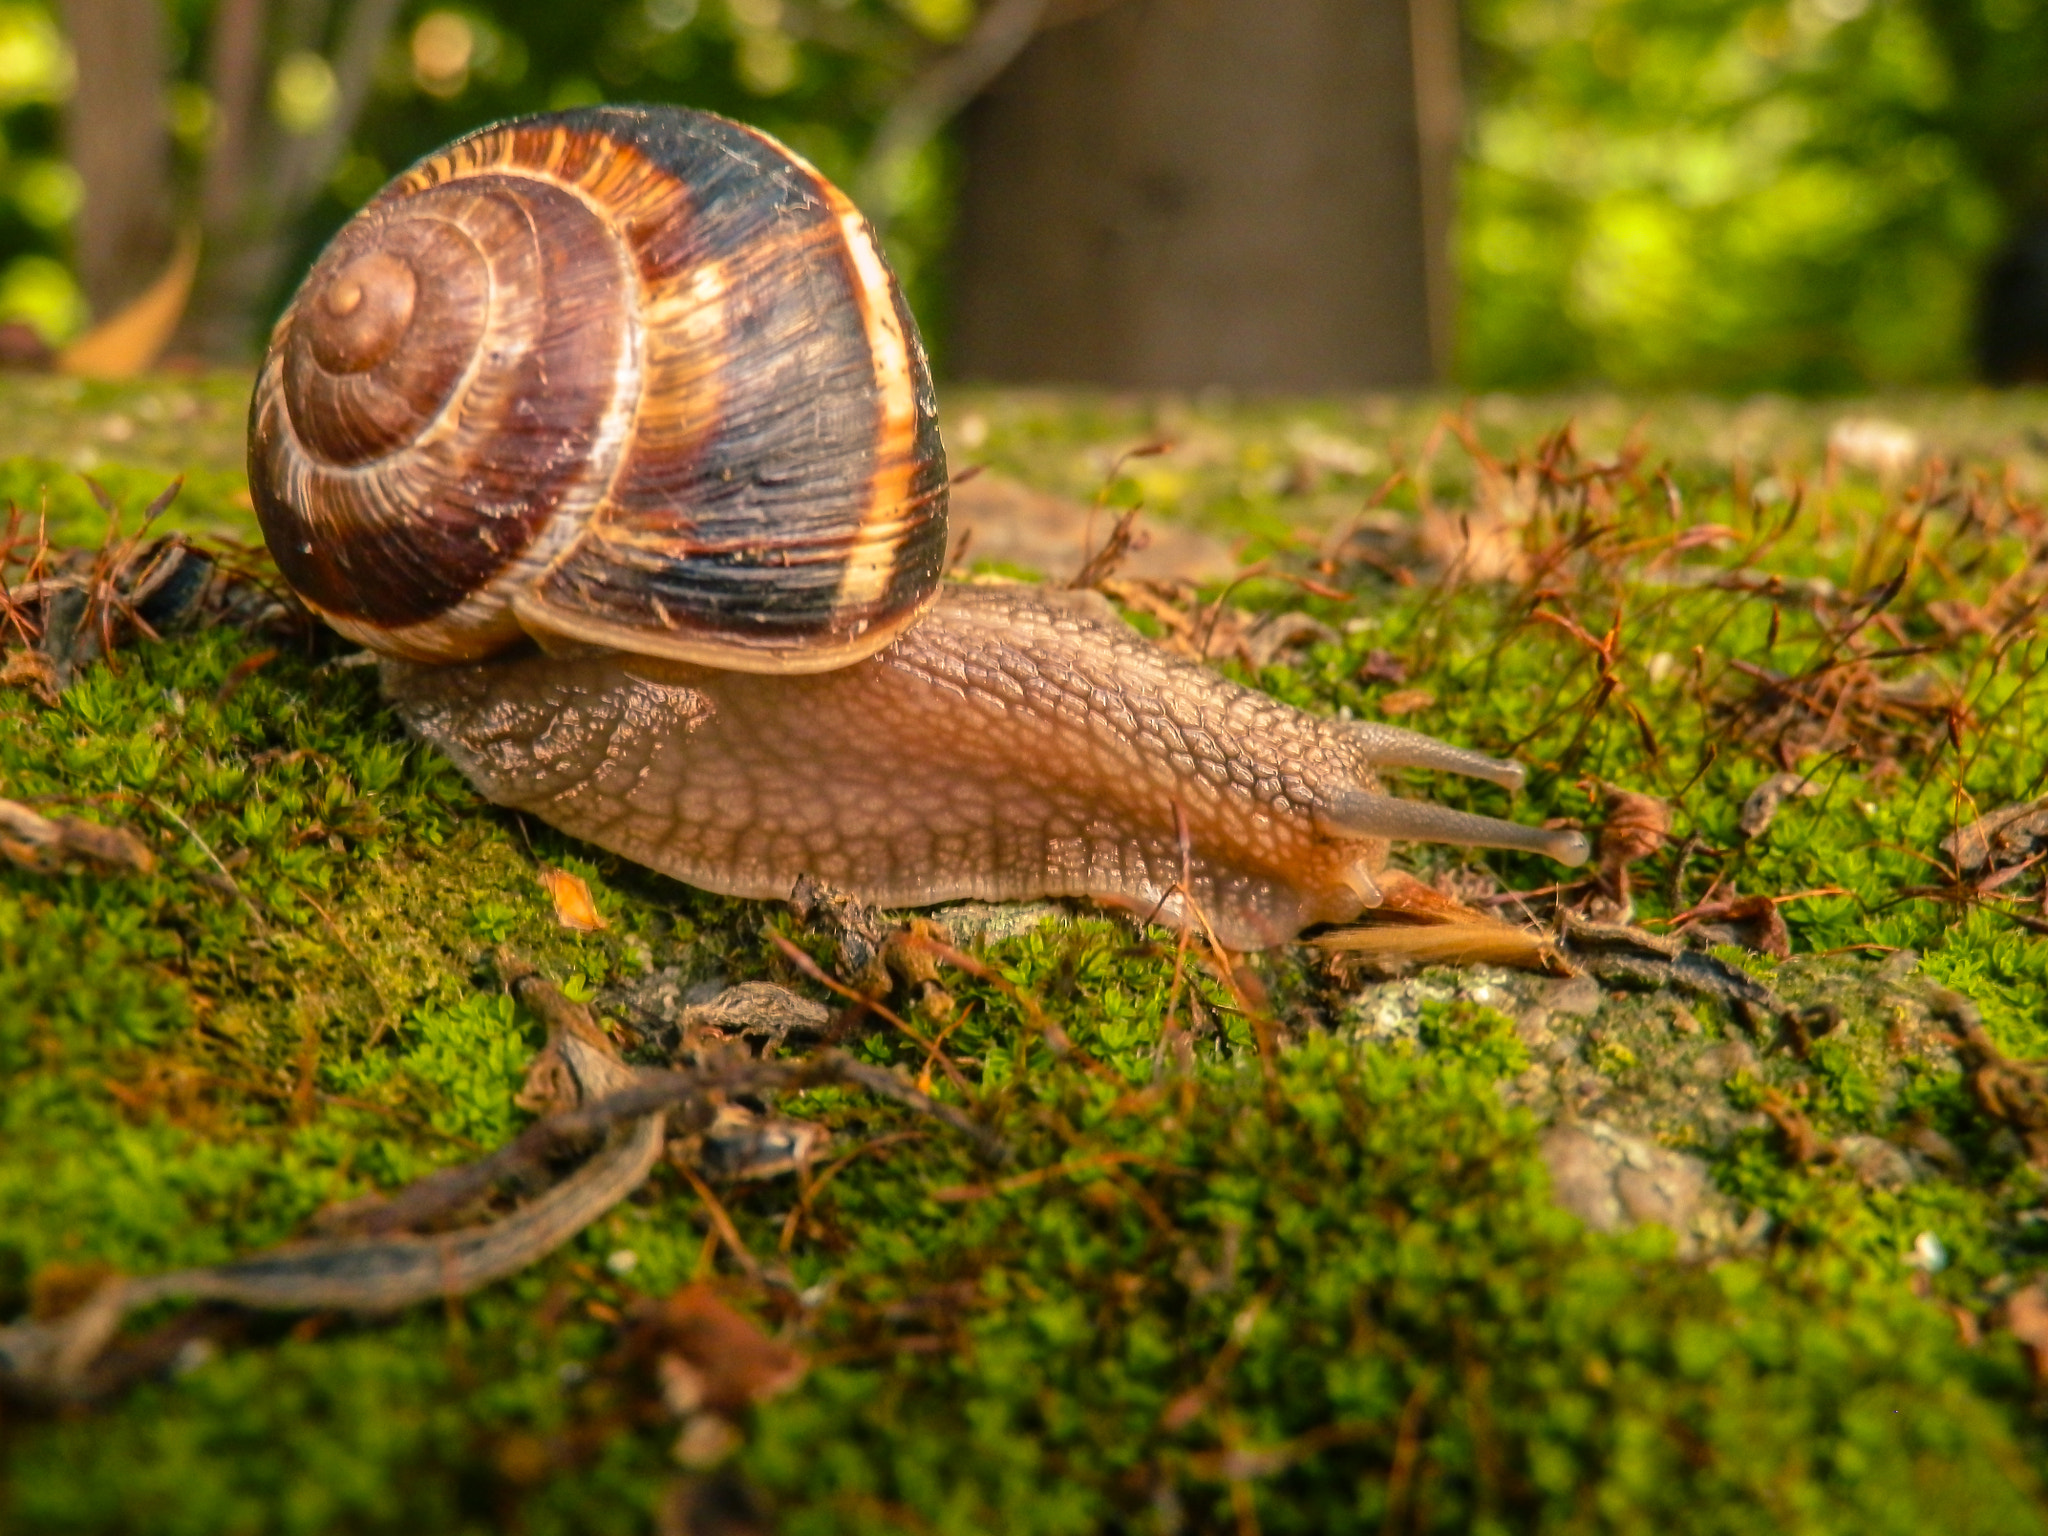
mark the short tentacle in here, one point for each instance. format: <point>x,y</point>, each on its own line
<point>1358,813</point>
<point>1359,878</point>
<point>1389,746</point>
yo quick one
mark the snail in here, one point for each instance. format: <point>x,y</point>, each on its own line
<point>611,432</point>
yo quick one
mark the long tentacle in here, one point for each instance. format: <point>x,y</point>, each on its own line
<point>1359,814</point>
<point>1389,746</point>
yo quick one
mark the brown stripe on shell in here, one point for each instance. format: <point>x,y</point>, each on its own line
<point>904,522</point>
<point>778,501</point>
<point>896,555</point>
<point>606,173</point>
<point>397,541</point>
<point>351,409</point>
<point>622,189</point>
<point>776,452</point>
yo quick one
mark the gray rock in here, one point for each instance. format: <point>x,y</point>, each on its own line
<point>1392,1010</point>
<point>1576,997</point>
<point>1613,1181</point>
<point>759,1012</point>
<point>990,922</point>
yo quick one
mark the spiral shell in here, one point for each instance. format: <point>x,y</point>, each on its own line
<point>628,376</point>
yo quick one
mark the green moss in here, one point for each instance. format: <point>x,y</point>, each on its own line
<point>1398,1271</point>
<point>1323,1286</point>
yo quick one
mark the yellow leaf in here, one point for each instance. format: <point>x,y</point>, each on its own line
<point>123,345</point>
<point>1406,701</point>
<point>573,907</point>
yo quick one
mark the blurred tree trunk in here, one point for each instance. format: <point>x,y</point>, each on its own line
<point>117,129</point>
<point>241,232</point>
<point>1177,193</point>
<point>258,178</point>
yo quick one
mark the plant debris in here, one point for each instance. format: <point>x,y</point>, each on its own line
<point>2001,843</point>
<point>1636,827</point>
<point>34,841</point>
<point>2014,1092</point>
<point>388,1260</point>
<point>1761,808</point>
<point>570,896</point>
<point>68,608</point>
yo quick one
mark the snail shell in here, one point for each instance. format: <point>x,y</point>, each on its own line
<point>632,377</point>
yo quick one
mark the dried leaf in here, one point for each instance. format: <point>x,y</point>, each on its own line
<point>1763,802</point>
<point>31,670</point>
<point>1394,949</point>
<point>2026,1318</point>
<point>2000,839</point>
<point>1416,925</point>
<point>1406,701</point>
<point>1761,925</point>
<point>126,343</point>
<point>709,1355</point>
<point>1754,922</point>
<point>574,908</point>
<point>1636,828</point>
<point>1844,707</point>
<point>1383,667</point>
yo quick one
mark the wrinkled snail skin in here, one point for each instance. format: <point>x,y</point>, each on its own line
<point>611,432</point>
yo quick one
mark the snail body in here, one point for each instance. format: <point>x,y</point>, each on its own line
<point>611,431</point>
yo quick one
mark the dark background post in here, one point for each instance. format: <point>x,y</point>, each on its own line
<point>1178,193</point>
<point>118,134</point>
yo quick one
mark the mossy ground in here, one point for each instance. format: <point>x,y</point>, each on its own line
<point>1320,1288</point>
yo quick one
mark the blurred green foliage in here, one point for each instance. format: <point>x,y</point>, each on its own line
<point>1714,193</point>
<point>1731,195</point>
<point>39,193</point>
<point>819,74</point>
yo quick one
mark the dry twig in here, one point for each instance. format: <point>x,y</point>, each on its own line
<point>594,1099</point>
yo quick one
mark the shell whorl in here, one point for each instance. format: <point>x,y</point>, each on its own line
<point>634,377</point>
